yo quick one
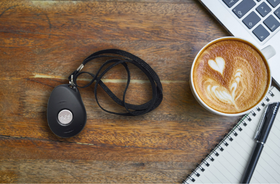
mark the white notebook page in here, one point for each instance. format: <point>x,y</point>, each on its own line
<point>227,165</point>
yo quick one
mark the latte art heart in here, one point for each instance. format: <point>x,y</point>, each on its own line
<point>236,88</point>
<point>218,64</point>
<point>230,76</point>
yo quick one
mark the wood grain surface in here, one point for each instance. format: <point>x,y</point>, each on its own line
<point>43,42</point>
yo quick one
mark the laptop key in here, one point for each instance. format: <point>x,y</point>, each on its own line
<point>230,3</point>
<point>271,23</point>
<point>273,3</point>
<point>251,20</point>
<point>243,7</point>
<point>261,33</point>
<point>277,12</point>
<point>263,9</point>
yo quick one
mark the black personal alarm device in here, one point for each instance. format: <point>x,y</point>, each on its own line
<point>66,112</point>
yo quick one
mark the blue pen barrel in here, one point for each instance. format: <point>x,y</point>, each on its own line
<point>252,163</point>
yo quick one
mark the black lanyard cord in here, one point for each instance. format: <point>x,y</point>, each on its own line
<point>121,57</point>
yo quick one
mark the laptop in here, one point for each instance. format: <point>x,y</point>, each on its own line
<point>257,21</point>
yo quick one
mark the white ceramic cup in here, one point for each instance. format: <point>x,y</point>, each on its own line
<point>267,53</point>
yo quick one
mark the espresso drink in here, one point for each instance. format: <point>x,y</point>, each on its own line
<point>231,76</point>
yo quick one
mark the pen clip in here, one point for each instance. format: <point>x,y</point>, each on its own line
<point>261,123</point>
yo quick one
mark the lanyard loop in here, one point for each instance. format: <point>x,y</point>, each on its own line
<point>121,57</point>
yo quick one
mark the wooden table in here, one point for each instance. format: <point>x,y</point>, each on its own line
<point>43,42</point>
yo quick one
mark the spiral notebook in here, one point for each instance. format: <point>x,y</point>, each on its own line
<point>227,161</point>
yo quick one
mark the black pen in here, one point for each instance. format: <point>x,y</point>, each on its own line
<point>261,135</point>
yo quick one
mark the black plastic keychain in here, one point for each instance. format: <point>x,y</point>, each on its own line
<point>66,112</point>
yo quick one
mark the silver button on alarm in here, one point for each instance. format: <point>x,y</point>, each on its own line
<point>65,117</point>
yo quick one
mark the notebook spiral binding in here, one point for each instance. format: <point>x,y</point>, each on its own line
<point>219,148</point>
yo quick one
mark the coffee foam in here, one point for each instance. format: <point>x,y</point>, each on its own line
<point>230,76</point>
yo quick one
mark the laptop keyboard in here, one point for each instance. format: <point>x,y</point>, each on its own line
<point>261,17</point>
